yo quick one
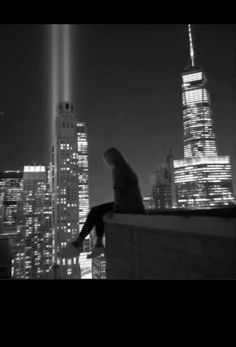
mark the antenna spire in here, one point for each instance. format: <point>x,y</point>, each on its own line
<point>192,57</point>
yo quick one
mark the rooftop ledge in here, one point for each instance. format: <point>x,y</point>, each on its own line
<point>172,244</point>
<point>163,244</point>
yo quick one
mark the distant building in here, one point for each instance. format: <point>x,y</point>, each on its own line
<point>99,267</point>
<point>11,190</point>
<point>83,189</point>
<point>148,202</point>
<point>85,265</point>
<point>98,263</point>
<point>163,188</point>
<point>82,148</point>
<point>11,186</point>
<point>33,243</point>
<point>202,178</point>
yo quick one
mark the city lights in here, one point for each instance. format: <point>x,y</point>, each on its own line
<point>202,178</point>
<point>123,81</point>
<point>33,243</point>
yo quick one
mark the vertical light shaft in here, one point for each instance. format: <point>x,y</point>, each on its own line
<point>66,36</point>
<point>60,67</point>
<point>192,57</point>
<point>54,71</point>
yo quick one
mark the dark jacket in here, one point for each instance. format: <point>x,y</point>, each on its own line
<point>128,198</point>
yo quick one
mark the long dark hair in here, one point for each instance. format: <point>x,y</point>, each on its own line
<point>114,157</point>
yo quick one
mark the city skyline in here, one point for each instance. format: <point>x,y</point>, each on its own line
<point>164,95</point>
<point>108,96</point>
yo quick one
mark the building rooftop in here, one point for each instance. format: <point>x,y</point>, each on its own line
<point>227,212</point>
<point>172,244</point>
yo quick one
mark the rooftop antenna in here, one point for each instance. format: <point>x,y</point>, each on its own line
<point>192,57</point>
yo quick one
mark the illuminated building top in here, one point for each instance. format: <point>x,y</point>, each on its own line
<point>202,178</point>
<point>199,137</point>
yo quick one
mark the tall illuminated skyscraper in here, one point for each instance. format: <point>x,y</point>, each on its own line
<point>70,191</point>
<point>82,147</point>
<point>202,178</point>
<point>65,188</point>
<point>83,191</point>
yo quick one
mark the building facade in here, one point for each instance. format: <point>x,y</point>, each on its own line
<point>99,267</point>
<point>83,196</point>
<point>11,187</point>
<point>65,188</point>
<point>202,178</point>
<point>85,265</point>
<point>83,188</point>
<point>33,242</point>
<point>163,187</point>
<point>11,213</point>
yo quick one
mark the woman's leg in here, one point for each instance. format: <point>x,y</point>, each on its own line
<point>103,209</point>
<point>94,219</point>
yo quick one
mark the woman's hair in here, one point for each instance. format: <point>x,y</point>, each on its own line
<point>114,157</point>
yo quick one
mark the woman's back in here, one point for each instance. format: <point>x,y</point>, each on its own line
<point>128,198</point>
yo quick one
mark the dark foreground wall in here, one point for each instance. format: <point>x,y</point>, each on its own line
<point>171,246</point>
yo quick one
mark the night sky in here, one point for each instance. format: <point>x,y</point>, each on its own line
<point>126,87</point>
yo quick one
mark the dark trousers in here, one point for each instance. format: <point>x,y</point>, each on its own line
<point>95,219</point>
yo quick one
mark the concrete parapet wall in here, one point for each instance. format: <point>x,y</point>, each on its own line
<point>170,247</point>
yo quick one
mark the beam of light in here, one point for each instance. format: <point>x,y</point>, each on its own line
<point>66,62</point>
<point>60,46</point>
<point>54,73</point>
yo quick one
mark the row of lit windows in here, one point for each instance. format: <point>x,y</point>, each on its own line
<point>190,77</point>
<point>195,96</point>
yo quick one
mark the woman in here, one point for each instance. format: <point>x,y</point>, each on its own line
<point>127,199</point>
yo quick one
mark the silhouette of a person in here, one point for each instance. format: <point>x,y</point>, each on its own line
<point>127,199</point>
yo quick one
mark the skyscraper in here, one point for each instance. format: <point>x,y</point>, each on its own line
<point>65,188</point>
<point>202,178</point>
<point>163,188</point>
<point>82,147</point>
<point>33,256</point>
<point>83,190</point>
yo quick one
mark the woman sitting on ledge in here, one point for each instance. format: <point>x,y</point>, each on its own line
<point>127,199</point>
